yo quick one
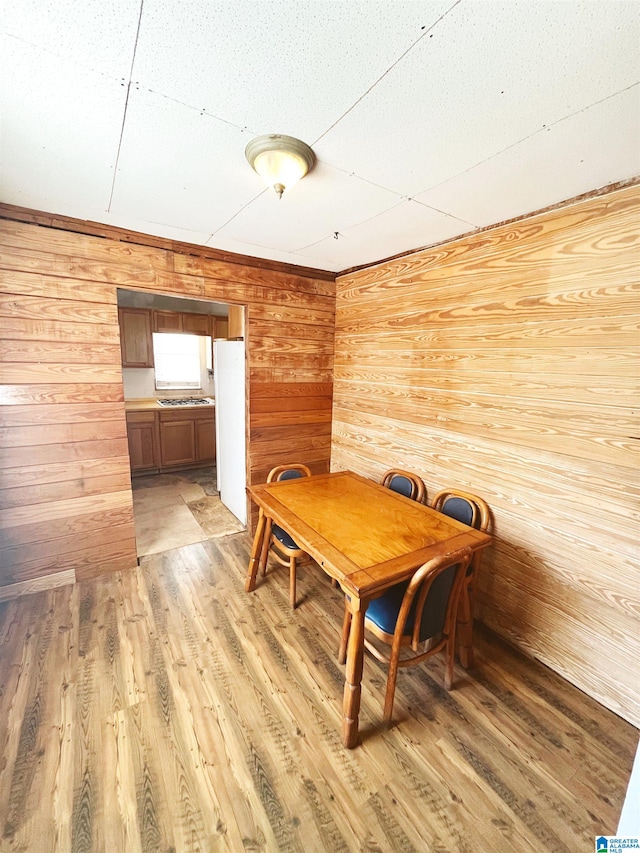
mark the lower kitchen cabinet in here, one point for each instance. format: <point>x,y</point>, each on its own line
<point>168,440</point>
<point>187,437</point>
<point>142,434</point>
<point>177,440</point>
<point>205,438</point>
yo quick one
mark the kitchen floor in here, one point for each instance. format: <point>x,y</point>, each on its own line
<point>182,508</point>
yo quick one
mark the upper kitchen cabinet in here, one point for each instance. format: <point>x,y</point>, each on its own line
<point>220,326</point>
<point>196,324</point>
<point>175,321</point>
<point>135,337</point>
<point>167,321</point>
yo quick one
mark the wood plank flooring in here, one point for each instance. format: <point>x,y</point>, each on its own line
<point>164,709</point>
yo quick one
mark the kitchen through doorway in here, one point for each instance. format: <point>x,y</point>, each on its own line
<point>176,505</point>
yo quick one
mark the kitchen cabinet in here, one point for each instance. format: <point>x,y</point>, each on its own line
<point>196,324</point>
<point>176,321</point>
<point>135,337</point>
<point>220,326</point>
<point>167,321</point>
<point>177,439</point>
<point>205,439</point>
<point>165,440</point>
<point>142,435</point>
<point>187,437</point>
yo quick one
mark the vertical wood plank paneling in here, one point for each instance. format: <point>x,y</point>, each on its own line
<point>507,364</point>
<point>65,489</point>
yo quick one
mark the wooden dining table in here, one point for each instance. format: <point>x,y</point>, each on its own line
<point>367,537</point>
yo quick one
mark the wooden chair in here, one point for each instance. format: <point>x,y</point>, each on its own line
<point>405,483</point>
<point>471,510</point>
<point>422,610</point>
<point>277,541</point>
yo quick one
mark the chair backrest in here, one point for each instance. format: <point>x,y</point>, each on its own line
<point>432,597</point>
<point>288,472</point>
<point>464,507</point>
<point>405,483</point>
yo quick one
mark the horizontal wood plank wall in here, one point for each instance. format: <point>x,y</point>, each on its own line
<point>507,364</point>
<point>65,487</point>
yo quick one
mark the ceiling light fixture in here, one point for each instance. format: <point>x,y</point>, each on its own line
<point>279,160</point>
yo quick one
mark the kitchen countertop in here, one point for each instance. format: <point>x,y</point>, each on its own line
<point>151,405</point>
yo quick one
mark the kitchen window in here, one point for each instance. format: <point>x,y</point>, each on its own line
<point>179,360</point>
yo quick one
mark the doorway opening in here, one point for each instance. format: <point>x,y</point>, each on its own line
<point>178,450</point>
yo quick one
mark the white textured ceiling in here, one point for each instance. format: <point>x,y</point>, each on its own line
<point>429,119</point>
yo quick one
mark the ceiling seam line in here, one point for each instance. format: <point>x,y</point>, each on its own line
<point>382,213</point>
<point>200,110</point>
<point>126,105</point>
<point>384,74</point>
<point>237,213</point>
<point>529,136</point>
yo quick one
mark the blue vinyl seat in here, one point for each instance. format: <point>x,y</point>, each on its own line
<point>278,543</point>
<point>405,483</point>
<point>473,511</point>
<point>420,611</point>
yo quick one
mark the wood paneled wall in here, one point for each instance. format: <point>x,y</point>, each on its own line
<point>506,363</point>
<point>65,488</point>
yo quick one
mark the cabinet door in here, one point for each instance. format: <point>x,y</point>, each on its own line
<point>177,442</point>
<point>135,337</point>
<point>143,440</point>
<point>205,439</point>
<point>167,321</point>
<point>220,327</point>
<point>196,324</point>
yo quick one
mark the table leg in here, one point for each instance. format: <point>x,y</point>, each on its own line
<point>352,686</point>
<point>256,551</point>
<point>464,626</point>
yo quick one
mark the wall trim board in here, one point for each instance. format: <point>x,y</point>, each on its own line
<point>112,232</point>
<point>609,188</point>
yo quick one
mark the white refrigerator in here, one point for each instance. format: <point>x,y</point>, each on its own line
<point>229,384</point>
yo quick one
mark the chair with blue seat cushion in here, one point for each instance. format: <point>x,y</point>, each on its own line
<point>277,541</point>
<point>405,483</point>
<point>421,610</point>
<point>473,511</point>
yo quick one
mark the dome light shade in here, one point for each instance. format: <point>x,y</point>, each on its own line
<point>279,160</point>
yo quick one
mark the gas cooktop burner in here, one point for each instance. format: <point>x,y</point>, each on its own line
<point>187,401</point>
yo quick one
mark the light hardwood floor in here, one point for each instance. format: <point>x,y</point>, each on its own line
<point>164,709</point>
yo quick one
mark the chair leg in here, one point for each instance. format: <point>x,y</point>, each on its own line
<point>449,655</point>
<point>344,641</point>
<point>464,627</point>
<point>390,694</point>
<point>292,582</point>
